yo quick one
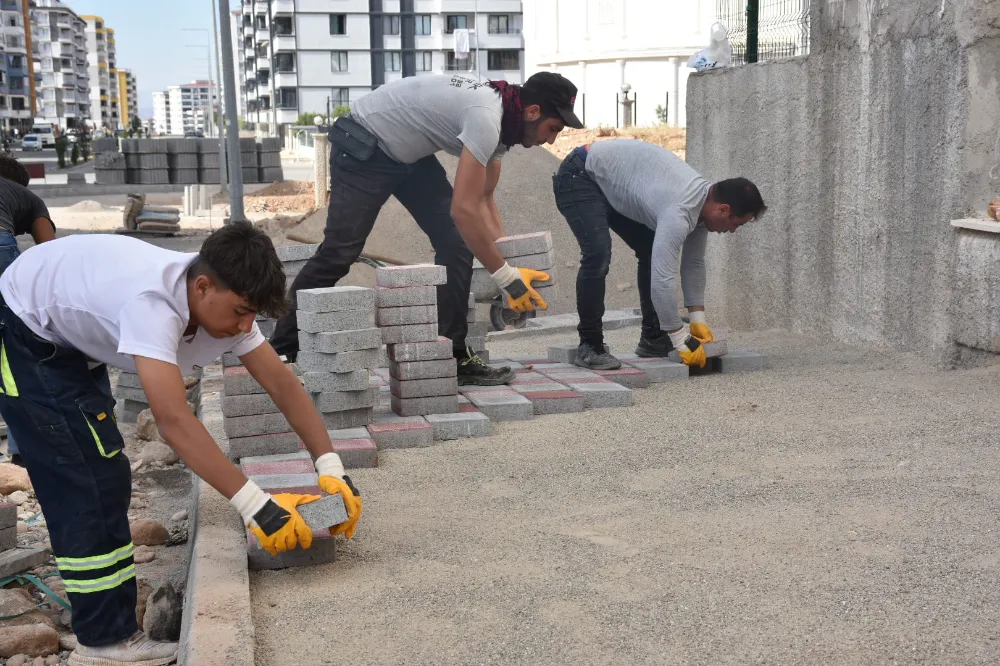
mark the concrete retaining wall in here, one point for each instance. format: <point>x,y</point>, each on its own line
<point>864,151</point>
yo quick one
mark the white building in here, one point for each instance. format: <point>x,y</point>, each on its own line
<point>295,56</point>
<point>602,44</point>
<point>235,19</point>
<point>62,78</point>
<point>182,109</point>
<point>16,76</point>
<point>99,74</point>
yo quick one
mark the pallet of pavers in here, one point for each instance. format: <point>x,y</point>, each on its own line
<point>130,396</point>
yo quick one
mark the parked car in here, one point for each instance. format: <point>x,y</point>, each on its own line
<point>45,134</point>
<point>31,142</point>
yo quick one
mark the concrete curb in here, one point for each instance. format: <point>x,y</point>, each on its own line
<point>217,626</point>
<point>568,322</point>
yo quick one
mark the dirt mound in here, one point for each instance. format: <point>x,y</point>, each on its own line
<point>88,206</point>
<point>672,138</point>
<point>290,196</point>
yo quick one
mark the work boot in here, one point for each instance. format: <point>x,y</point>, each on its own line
<point>588,356</point>
<point>135,651</point>
<point>473,370</point>
<point>654,347</point>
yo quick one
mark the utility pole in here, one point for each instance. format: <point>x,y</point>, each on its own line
<point>223,180</point>
<point>232,133</point>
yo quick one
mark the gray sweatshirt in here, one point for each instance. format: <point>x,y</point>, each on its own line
<point>651,185</point>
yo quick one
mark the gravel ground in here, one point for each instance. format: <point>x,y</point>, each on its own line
<point>838,508</point>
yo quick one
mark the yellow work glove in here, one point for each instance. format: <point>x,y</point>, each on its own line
<point>273,519</point>
<point>688,347</point>
<point>352,502</point>
<point>516,286</point>
<point>699,328</point>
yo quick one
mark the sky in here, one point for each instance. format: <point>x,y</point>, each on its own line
<point>150,40</point>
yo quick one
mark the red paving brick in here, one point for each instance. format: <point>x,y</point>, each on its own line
<point>467,408</point>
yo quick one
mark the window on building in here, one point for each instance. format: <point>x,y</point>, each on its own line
<point>284,26</point>
<point>453,64</point>
<point>338,61</point>
<point>11,21</point>
<point>423,24</point>
<point>261,22</point>
<point>425,61</point>
<point>340,97</point>
<point>390,25</point>
<point>499,25</point>
<point>393,61</point>
<point>17,62</point>
<point>457,22</point>
<point>338,24</point>
<point>17,103</point>
<point>503,60</point>
<point>284,62</point>
<point>3,101</point>
<point>287,98</point>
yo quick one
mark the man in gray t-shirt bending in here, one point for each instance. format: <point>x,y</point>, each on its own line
<point>663,209</point>
<point>386,147</point>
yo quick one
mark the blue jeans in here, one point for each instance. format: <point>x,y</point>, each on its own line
<point>8,253</point>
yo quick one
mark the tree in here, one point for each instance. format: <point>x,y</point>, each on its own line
<point>307,118</point>
<point>341,110</point>
<point>661,114</point>
<point>61,144</point>
<point>136,124</point>
<point>74,156</point>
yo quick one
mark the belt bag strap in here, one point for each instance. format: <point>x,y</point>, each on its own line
<point>351,137</point>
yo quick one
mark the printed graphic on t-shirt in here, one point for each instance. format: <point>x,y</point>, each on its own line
<point>465,83</point>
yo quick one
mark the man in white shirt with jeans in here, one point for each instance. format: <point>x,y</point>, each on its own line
<point>75,305</point>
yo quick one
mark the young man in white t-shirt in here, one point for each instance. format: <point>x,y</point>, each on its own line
<point>74,306</point>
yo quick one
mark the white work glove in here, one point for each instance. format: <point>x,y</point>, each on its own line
<point>516,286</point>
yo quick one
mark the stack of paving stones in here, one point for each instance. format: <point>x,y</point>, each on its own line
<point>130,396</point>
<point>475,339</point>
<point>109,168</point>
<point>338,344</point>
<point>182,161</point>
<point>145,161</point>
<point>532,251</point>
<point>248,160</point>
<point>208,161</point>
<point>269,160</point>
<point>8,526</point>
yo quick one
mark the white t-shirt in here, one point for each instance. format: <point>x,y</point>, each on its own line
<point>112,298</point>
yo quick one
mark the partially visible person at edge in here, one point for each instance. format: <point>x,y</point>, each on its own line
<point>386,147</point>
<point>21,212</point>
<point>663,210</point>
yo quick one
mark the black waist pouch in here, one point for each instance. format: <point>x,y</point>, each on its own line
<point>351,137</point>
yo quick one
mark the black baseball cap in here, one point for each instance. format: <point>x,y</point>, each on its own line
<point>554,91</point>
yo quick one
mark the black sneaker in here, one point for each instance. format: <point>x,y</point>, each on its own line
<point>587,356</point>
<point>658,347</point>
<point>473,370</point>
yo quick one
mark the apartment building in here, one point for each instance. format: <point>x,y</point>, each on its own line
<point>298,56</point>
<point>183,108</point>
<point>235,19</point>
<point>16,80</point>
<point>62,78</point>
<point>128,97</point>
<point>98,71</point>
<point>114,95</point>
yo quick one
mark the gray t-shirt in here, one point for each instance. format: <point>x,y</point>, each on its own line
<point>19,208</point>
<point>420,115</point>
<point>651,185</point>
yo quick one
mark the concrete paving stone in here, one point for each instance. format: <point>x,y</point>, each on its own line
<point>339,362</point>
<point>504,363</point>
<point>342,401</point>
<point>478,329</point>
<point>258,424</point>
<point>342,320</point>
<point>471,390</point>
<point>628,357</point>
<point>562,353</point>
<point>506,407</point>
<point>248,405</point>
<point>441,404</point>
<point>549,386</point>
<point>276,482</point>
<point>401,432</point>
<point>417,275</point>
<point>629,377</point>
<point>325,512</point>
<point>281,466</point>
<point>320,382</point>
<point>394,335</point>
<point>266,327</point>
<point>713,349</point>
<point>335,299</point>
<point>381,371</point>
<point>484,355</point>
<point>467,407</point>
<point>8,538</point>
<point>129,379</point>
<point>357,453</point>
<point>529,360</point>
<point>19,560</point>
<point>476,344</point>
<point>445,367</point>
<point>542,261</point>
<point>423,388</point>
<point>410,352</point>
<point>546,366</point>
<point>402,297</point>
<point>742,361</point>
<point>524,244</point>
<point>292,268</point>
<point>335,342</point>
<point>322,551</point>
<point>129,393</point>
<point>238,381</point>
<point>549,293</point>
<point>463,400</point>
<point>563,375</point>
<point>556,401</point>
<point>279,457</point>
<point>8,515</point>
<point>661,370</point>
<point>128,410</point>
<point>348,433</point>
<point>462,424</point>
<point>530,377</point>
<point>405,316</point>
<point>264,445</point>
<point>351,418</point>
<point>603,394</point>
<point>295,252</point>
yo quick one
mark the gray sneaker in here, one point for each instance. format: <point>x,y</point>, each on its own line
<point>138,650</point>
<point>592,359</point>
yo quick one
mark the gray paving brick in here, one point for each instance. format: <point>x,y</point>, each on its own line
<point>542,261</point>
<point>462,424</point>
<point>476,343</point>
<point>742,361</point>
<point>548,293</point>
<point>410,352</point>
<point>342,401</point>
<point>248,405</point>
<point>478,329</point>
<point>446,367</point>
<point>8,515</point>
<point>423,388</point>
<point>524,244</point>
<point>335,299</point>
<point>8,538</point>
<point>394,335</point>
<point>275,482</point>
<point>401,297</point>
<point>295,252</point>
<point>239,382</point>
<point>357,453</point>
<point>537,387</point>
<point>258,424</point>
<point>661,370</point>
<point>417,275</point>
<point>343,320</point>
<point>129,379</point>
<point>129,393</point>
<point>604,394</point>
<point>324,512</point>
<point>628,376</point>
<point>279,457</point>
<point>339,362</point>
<point>442,404</point>
<point>266,327</point>
<point>417,314</point>
<point>713,349</point>
<point>349,433</point>
<point>322,551</point>
<point>263,445</point>
<point>19,560</point>
<point>229,360</point>
<point>334,342</point>
<point>504,407</point>
<point>319,382</point>
<point>351,418</point>
<point>565,401</point>
<point>391,431</point>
